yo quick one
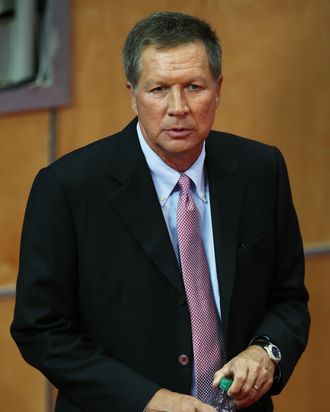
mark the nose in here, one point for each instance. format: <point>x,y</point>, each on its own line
<point>177,103</point>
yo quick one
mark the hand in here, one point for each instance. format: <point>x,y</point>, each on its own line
<point>252,372</point>
<point>167,401</point>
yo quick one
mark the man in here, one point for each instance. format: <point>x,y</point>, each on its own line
<point>109,306</point>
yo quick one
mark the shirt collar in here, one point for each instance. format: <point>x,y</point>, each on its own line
<point>165,177</point>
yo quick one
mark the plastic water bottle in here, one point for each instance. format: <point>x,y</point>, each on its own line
<point>224,402</point>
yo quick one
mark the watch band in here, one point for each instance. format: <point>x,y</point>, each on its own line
<point>272,350</point>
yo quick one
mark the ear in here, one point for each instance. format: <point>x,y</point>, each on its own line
<point>132,96</point>
<point>218,88</point>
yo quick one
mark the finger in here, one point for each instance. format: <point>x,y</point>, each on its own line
<point>254,394</point>
<point>263,380</point>
<point>225,371</point>
<point>247,381</point>
<point>251,389</point>
<point>191,404</point>
<point>258,378</point>
<point>247,400</point>
<point>256,387</point>
<point>237,388</point>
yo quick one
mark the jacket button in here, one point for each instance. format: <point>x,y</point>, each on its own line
<point>184,359</point>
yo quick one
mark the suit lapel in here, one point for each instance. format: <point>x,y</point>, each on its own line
<point>133,196</point>
<point>226,197</point>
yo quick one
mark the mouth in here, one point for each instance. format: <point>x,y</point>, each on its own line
<point>178,132</point>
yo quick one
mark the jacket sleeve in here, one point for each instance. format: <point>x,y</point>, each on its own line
<point>287,320</point>
<point>46,325</point>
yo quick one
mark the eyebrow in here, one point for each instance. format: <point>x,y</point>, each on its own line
<point>152,82</point>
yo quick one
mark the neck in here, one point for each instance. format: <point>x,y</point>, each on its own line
<point>180,164</point>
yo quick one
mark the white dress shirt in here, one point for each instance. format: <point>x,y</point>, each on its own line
<point>165,180</point>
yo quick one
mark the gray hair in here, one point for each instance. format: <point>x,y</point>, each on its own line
<point>166,30</point>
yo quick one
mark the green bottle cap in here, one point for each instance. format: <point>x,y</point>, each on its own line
<point>225,384</point>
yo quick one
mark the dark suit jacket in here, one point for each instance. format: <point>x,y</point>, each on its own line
<point>101,308</point>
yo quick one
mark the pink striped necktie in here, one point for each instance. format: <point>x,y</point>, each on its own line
<point>205,322</point>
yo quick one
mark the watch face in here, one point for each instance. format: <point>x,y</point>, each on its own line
<point>276,352</point>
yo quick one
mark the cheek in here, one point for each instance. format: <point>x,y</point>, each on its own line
<point>152,113</point>
<point>207,111</point>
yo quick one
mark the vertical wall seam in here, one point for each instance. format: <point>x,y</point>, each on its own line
<point>52,135</point>
<point>52,151</point>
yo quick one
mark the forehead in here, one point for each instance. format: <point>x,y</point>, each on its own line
<point>190,57</point>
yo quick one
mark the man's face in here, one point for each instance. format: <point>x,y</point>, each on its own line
<point>175,100</point>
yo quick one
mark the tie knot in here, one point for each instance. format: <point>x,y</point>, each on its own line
<point>184,183</point>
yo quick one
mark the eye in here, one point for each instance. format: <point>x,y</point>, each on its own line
<point>158,89</point>
<point>193,86</point>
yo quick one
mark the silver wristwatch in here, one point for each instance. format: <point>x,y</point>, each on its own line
<point>273,352</point>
